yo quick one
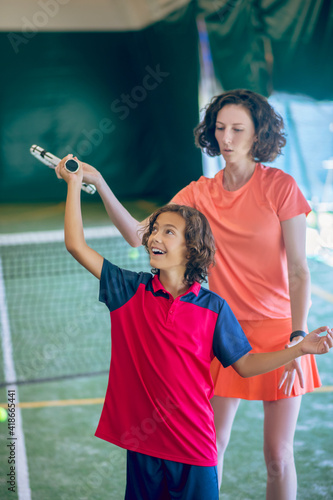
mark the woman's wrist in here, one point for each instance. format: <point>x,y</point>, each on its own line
<point>297,333</point>
<point>98,182</point>
<point>102,186</point>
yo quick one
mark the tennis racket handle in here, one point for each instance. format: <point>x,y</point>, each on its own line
<point>72,165</point>
<point>52,161</point>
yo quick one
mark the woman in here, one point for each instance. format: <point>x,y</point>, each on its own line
<point>258,217</point>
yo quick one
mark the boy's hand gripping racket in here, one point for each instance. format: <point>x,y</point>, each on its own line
<point>52,161</point>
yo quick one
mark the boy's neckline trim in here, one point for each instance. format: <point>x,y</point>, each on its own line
<point>157,285</point>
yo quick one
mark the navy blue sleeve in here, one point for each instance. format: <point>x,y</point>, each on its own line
<point>118,286</point>
<point>229,341</point>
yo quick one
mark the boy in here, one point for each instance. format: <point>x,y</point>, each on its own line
<point>166,329</point>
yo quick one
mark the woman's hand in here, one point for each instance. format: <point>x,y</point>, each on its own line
<point>291,370</point>
<point>90,174</point>
<point>313,343</point>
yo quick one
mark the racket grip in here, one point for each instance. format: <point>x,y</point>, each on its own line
<point>72,166</point>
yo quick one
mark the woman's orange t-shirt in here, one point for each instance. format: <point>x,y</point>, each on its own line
<point>251,264</point>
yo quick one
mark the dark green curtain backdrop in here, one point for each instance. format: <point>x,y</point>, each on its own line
<point>124,102</point>
<point>266,45</point>
<point>127,102</point>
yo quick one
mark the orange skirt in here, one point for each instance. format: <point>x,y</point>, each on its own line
<point>264,336</point>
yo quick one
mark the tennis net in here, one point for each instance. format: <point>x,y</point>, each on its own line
<point>52,324</point>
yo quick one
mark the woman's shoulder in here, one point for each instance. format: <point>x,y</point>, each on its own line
<point>208,180</point>
<point>282,191</point>
<point>201,186</point>
<point>275,175</point>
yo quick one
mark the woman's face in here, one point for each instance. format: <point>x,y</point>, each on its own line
<point>234,132</point>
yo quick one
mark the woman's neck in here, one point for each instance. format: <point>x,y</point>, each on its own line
<point>236,176</point>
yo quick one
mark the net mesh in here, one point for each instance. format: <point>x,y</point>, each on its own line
<point>57,327</point>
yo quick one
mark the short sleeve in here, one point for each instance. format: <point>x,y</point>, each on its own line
<point>118,286</point>
<point>288,198</point>
<point>185,196</point>
<point>229,341</point>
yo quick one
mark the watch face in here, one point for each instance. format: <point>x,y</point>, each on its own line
<point>72,165</point>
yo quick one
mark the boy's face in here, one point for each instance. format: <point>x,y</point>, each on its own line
<point>166,244</point>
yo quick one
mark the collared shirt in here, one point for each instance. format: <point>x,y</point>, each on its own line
<point>157,400</point>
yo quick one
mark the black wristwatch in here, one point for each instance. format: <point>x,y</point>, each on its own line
<point>297,333</point>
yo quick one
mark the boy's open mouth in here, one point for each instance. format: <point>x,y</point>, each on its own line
<point>157,251</point>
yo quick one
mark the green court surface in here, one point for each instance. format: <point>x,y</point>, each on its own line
<point>66,462</point>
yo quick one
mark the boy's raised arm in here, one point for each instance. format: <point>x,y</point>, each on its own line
<point>74,235</point>
<point>130,228</point>
<point>255,364</point>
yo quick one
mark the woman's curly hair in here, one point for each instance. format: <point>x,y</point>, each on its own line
<point>199,241</point>
<point>267,123</point>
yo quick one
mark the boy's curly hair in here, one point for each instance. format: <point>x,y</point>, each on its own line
<point>199,241</point>
<point>267,123</point>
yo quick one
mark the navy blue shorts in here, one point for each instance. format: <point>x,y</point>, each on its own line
<point>150,478</point>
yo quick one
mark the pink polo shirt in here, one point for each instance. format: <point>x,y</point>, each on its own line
<point>157,400</point>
